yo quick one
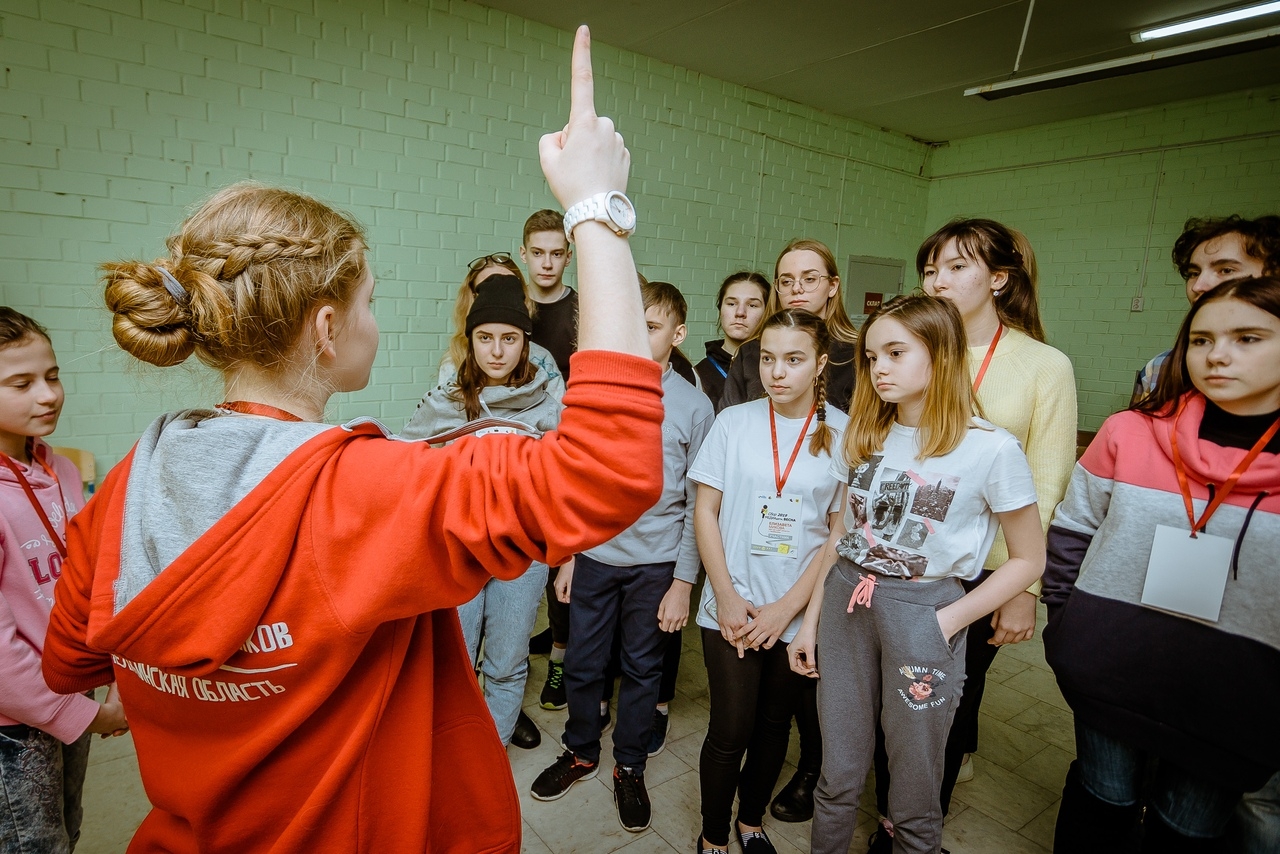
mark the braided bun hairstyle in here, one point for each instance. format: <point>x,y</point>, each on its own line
<point>794,318</point>
<point>244,274</point>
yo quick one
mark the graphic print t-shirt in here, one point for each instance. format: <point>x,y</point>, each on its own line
<point>935,518</point>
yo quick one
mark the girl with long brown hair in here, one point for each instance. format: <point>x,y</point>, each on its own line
<point>493,264</point>
<point>497,379</point>
<point>1161,587</point>
<point>988,271</point>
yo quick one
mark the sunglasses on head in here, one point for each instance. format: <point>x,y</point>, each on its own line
<point>483,261</point>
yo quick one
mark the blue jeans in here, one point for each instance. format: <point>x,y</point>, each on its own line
<point>1257,829</point>
<point>41,780</point>
<point>503,613</point>
<point>602,596</point>
<point>1114,772</point>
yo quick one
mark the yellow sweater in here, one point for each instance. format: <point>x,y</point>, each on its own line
<point>1030,390</point>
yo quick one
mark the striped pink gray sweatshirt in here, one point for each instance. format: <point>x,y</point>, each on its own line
<point>1200,694</point>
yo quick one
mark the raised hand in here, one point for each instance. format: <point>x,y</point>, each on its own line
<point>588,156</point>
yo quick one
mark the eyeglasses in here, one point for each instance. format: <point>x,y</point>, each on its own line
<point>483,261</point>
<point>808,282</point>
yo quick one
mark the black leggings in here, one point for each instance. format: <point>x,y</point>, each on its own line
<point>752,699</point>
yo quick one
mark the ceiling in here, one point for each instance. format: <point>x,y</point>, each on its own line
<point>904,64</point>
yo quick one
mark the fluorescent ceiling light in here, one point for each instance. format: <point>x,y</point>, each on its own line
<point>1205,22</point>
<point>1163,58</point>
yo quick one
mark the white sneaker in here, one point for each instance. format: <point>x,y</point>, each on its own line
<point>966,769</point>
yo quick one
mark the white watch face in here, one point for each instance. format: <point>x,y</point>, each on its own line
<point>621,211</point>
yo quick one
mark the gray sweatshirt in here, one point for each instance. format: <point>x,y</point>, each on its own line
<point>531,404</point>
<point>665,532</point>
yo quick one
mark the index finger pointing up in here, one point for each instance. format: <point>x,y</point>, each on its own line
<point>582,93</point>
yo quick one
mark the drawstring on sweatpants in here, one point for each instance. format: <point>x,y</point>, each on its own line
<point>863,592</point>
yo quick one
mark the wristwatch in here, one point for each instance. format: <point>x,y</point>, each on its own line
<point>613,208</point>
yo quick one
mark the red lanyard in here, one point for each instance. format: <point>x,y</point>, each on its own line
<point>991,351</point>
<point>780,477</point>
<point>1227,485</point>
<point>244,407</point>
<point>58,542</point>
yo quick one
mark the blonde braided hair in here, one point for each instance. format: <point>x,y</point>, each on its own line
<point>249,268</point>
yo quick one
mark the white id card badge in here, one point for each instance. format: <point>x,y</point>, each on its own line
<point>1187,575</point>
<point>775,530</point>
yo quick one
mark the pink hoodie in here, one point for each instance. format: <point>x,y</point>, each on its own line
<point>29,566</point>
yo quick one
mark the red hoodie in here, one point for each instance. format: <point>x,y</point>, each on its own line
<point>296,680</point>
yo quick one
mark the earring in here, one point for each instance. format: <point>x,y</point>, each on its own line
<point>995,293</point>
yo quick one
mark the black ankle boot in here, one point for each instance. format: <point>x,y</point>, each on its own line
<point>526,735</point>
<point>1160,838</point>
<point>1089,825</point>
<point>795,801</point>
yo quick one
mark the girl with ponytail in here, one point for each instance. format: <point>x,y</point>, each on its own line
<point>764,511</point>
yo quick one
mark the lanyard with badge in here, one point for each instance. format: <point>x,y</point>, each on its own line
<point>777,531</point>
<point>58,542</point>
<point>1187,573</point>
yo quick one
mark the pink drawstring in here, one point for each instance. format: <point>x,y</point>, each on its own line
<point>863,592</point>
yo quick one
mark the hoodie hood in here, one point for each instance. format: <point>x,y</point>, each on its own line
<point>189,471</point>
<point>1208,463</point>
<point>718,354</point>
<point>531,404</point>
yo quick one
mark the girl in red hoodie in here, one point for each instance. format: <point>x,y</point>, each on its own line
<point>44,735</point>
<point>275,596</point>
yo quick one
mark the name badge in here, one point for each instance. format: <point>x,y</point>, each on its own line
<point>776,527</point>
<point>1187,575</point>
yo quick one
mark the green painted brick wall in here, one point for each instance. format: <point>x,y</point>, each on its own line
<point>421,119</point>
<point>1102,201</point>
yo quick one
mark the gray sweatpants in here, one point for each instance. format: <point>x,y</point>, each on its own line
<point>890,661</point>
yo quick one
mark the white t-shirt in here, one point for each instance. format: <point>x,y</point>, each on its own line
<point>934,518</point>
<point>737,459</point>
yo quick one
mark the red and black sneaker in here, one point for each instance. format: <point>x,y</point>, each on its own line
<point>553,782</point>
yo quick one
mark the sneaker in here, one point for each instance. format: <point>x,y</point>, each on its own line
<point>658,733</point>
<point>966,769</point>
<point>554,781</point>
<point>553,689</point>
<point>631,798</point>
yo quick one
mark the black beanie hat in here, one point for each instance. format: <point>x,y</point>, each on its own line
<point>500,299</point>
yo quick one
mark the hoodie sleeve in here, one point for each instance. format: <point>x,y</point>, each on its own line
<point>26,697</point>
<point>1079,517</point>
<point>433,525</point>
<point>69,664</point>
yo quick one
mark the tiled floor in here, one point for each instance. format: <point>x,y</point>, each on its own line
<point>1008,808</point>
